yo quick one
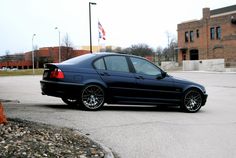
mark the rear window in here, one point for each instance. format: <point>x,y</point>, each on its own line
<point>78,59</point>
<point>112,63</point>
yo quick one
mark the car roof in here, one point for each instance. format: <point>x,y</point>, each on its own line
<point>87,58</point>
<point>119,53</point>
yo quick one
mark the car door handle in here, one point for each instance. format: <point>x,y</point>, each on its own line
<point>105,74</point>
<point>139,77</point>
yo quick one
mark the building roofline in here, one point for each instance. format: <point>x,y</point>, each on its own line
<point>188,21</point>
<point>223,10</point>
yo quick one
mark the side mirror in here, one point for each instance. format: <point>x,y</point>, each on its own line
<point>162,75</point>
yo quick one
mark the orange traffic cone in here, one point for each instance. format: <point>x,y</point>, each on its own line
<point>3,119</point>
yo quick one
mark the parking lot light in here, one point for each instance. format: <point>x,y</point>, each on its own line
<point>33,52</point>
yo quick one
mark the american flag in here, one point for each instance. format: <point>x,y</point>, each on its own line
<point>101,32</point>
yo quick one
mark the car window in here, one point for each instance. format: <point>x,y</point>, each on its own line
<point>116,63</point>
<point>142,66</point>
<point>99,64</point>
<point>78,59</point>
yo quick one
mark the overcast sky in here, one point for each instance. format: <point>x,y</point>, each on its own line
<point>126,22</point>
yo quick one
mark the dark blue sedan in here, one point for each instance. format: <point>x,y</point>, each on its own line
<point>90,80</point>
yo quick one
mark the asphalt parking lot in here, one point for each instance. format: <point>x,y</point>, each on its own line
<point>134,131</point>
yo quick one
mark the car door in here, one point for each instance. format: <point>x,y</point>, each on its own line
<point>115,72</point>
<point>152,84</point>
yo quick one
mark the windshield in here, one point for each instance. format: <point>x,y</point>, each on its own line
<point>78,59</point>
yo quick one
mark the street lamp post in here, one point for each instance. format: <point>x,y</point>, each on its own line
<point>33,53</point>
<point>90,28</point>
<point>59,53</point>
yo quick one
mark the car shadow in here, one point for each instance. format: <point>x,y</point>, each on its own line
<point>57,106</point>
<point>142,108</point>
<point>119,108</point>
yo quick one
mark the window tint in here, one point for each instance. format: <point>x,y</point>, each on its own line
<point>186,36</point>
<point>212,32</point>
<point>191,36</point>
<point>99,64</point>
<point>116,63</point>
<point>142,66</point>
<point>197,32</point>
<point>79,59</point>
<point>218,32</point>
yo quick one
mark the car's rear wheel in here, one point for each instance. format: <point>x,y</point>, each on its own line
<point>192,101</point>
<point>70,102</point>
<point>92,97</point>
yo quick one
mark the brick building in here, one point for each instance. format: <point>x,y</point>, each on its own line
<point>212,37</point>
<point>41,56</point>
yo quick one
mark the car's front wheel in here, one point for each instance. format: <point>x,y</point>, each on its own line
<point>192,101</point>
<point>92,97</point>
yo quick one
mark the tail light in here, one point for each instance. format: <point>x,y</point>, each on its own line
<point>57,73</point>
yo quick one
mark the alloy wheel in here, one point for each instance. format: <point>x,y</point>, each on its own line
<point>192,101</point>
<point>93,97</point>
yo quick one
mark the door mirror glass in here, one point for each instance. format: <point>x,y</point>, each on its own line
<point>164,74</point>
<point>159,77</point>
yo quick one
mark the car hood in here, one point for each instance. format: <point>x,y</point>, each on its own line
<point>180,80</point>
<point>184,81</point>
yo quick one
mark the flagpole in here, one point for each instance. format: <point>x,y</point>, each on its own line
<point>99,45</point>
<point>90,27</point>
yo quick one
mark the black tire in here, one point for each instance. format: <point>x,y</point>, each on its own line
<point>192,101</point>
<point>70,102</point>
<point>92,97</point>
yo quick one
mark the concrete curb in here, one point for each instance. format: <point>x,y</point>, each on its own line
<point>209,72</point>
<point>107,151</point>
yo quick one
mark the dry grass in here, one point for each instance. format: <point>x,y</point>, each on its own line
<point>21,72</point>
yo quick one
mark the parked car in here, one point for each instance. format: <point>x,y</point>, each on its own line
<point>90,80</point>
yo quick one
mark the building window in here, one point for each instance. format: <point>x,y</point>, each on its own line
<point>191,36</point>
<point>197,33</point>
<point>184,55</point>
<point>218,32</point>
<point>186,36</point>
<point>212,31</point>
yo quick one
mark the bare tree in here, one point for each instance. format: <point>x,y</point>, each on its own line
<point>7,54</point>
<point>169,53</point>
<point>140,50</point>
<point>66,41</point>
<point>168,35</point>
<point>68,44</point>
<point>172,48</point>
<point>18,57</point>
<point>158,53</point>
<point>106,49</point>
<point>118,49</point>
<point>7,57</point>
